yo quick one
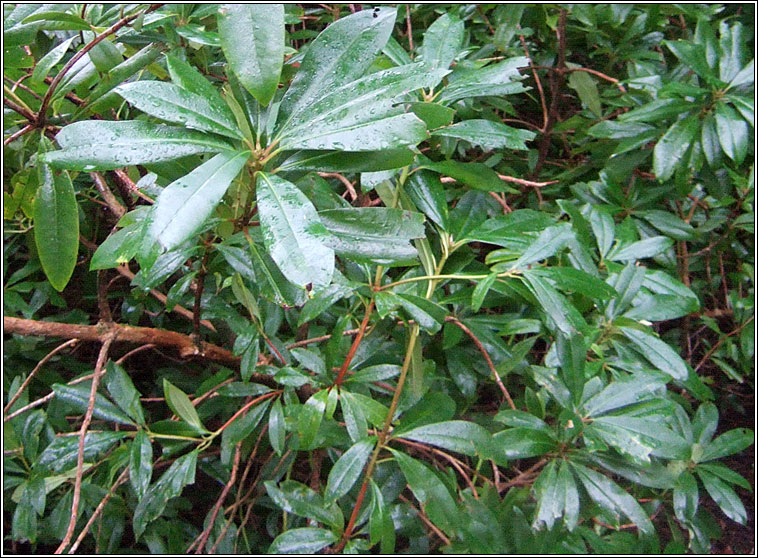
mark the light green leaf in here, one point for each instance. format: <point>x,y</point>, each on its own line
<point>46,63</point>
<point>586,87</point>
<point>181,405</point>
<point>731,442</point>
<point>293,233</point>
<point>549,242</point>
<point>625,391</point>
<point>252,37</point>
<point>184,205</point>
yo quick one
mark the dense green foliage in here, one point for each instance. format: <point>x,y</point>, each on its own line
<point>415,278</point>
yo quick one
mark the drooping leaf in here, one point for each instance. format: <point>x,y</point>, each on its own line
<point>293,234</point>
<point>557,496</point>
<point>252,37</point>
<point>140,464</point>
<point>56,224</point>
<point>724,496</point>
<point>180,474</point>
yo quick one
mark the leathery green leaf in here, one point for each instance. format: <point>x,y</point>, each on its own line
<point>276,428</point>
<point>557,496</point>
<point>252,38</point>
<point>304,540</point>
<point>487,134</point>
<point>172,103</point>
<point>733,132</point>
<point>140,463</point>
<point>103,145</point>
<point>611,497</point>
<point>295,497</point>
<point>442,41</point>
<point>311,415</point>
<point>429,490</point>
<point>657,352</point>
<point>122,389</point>
<point>373,234</point>
<point>671,148</point>
<point>347,469</point>
<point>170,485</point>
<point>428,195</point>
<point>724,496</point>
<point>63,451</point>
<point>56,224</point>
<point>293,234</point>
<point>522,442</point>
<point>455,435</point>
<point>181,405</point>
<point>339,55</point>
<point>184,205</point>
<point>78,397</point>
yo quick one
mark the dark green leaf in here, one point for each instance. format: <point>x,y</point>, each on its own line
<point>732,131</point>
<point>252,37</point>
<point>304,540</point>
<point>63,451</point>
<point>671,148</point>
<point>657,352</point>
<point>442,41</point>
<point>455,435</point>
<point>429,315</point>
<point>557,496</point>
<point>428,195</point>
<point>240,429</point>
<point>56,223</point>
<point>276,429</point>
<point>476,175</point>
<point>78,397</point>
<point>576,280</point>
<point>611,497</point>
<point>564,315</point>
<point>549,242</point>
<point>487,134</point>
<point>480,291</point>
<point>522,442</point>
<point>685,497</point>
<point>347,469</point>
<point>123,392</point>
<point>373,234</point>
<point>295,497</point>
<point>493,80</point>
<point>140,464</point>
<point>647,248</point>
<point>310,418</point>
<point>625,391</point>
<point>170,485</point>
<point>724,496</point>
<point>731,442</point>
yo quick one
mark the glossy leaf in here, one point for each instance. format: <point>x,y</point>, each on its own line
<point>181,405</point>
<point>647,248</point>
<point>623,392</point>
<point>373,234</point>
<point>347,469</point>
<point>522,442</point>
<point>476,175</point>
<point>252,37</point>
<point>240,429</point>
<point>670,150</point>
<point>184,205</point>
<point>303,540</point>
<point>731,442</point>
<point>123,392</point>
<point>428,195</point>
<point>295,497</point>
<point>569,279</point>
<point>442,41</point>
<point>56,225</point>
<point>293,234</point>
<point>46,63</point>
<point>172,103</point>
<point>339,55</point>
<point>549,242</point>
<point>611,497</point>
<point>657,352</point>
<point>455,435</point>
<point>496,79</point>
<point>557,496</point>
<point>564,315</point>
<point>487,134</point>
<point>724,496</point>
<point>180,474</point>
<point>429,490</point>
<point>63,452</point>
<point>140,464</point>
<point>640,437</point>
<point>311,415</point>
<point>78,397</point>
<point>733,132</point>
<point>102,145</point>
